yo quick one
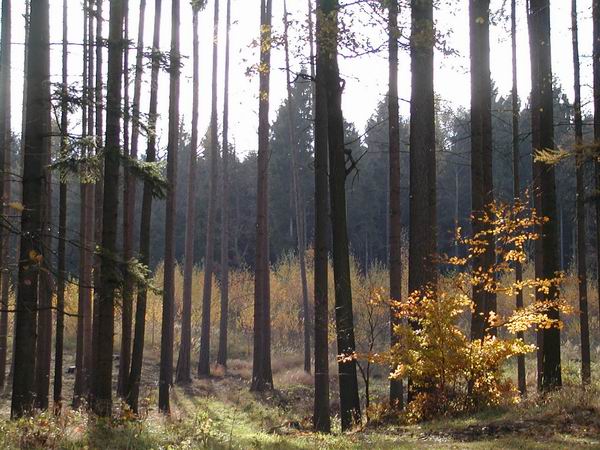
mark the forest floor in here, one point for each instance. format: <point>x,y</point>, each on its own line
<point>222,413</point>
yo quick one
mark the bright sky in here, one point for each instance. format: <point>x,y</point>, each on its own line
<point>366,77</point>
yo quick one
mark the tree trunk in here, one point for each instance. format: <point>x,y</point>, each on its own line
<point>5,154</point>
<point>109,276</point>
<point>422,268</point>
<point>91,335</point>
<point>322,421</point>
<point>129,189</point>
<point>521,374</point>
<point>580,209</point>
<point>204,361</point>
<point>224,319</point>
<point>183,373</point>
<point>137,357</point>
<point>298,198</point>
<point>62,227</point>
<point>43,355</point>
<point>546,263</point>
<point>168,310</point>
<point>34,160</point>
<point>596,86</point>
<point>344,320</point>
<point>395,218</point>
<point>481,156</point>
<point>262,376</point>
<point>82,374</point>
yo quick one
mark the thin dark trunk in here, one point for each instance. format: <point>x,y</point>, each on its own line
<point>34,158</point>
<point>262,376</point>
<point>129,189</point>
<point>91,336</point>
<point>322,420</point>
<point>224,319</point>
<point>344,320</point>
<point>298,198</point>
<point>395,218</point>
<point>109,276</point>
<point>183,373</point>
<point>43,355</point>
<point>596,86</point>
<point>481,157</point>
<point>81,386</point>
<point>5,153</point>
<point>521,373</point>
<point>204,360</point>
<point>422,268</point>
<point>580,209</point>
<point>137,357</point>
<point>62,228</point>
<point>168,310</point>
<point>546,262</point>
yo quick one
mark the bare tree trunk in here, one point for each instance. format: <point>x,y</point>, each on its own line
<point>262,376</point>
<point>82,374</point>
<point>43,355</point>
<point>344,320</point>
<point>31,250</point>
<point>168,310</point>
<point>137,357</point>
<point>5,157</point>
<point>481,155</point>
<point>91,335</point>
<point>204,361</point>
<point>62,227</point>
<point>521,373</point>
<point>109,276</point>
<point>321,420</point>
<point>546,263</point>
<point>298,199</point>
<point>129,191</point>
<point>183,373</point>
<point>580,209</point>
<point>224,319</point>
<point>596,86</point>
<point>395,217</point>
<point>422,268</point>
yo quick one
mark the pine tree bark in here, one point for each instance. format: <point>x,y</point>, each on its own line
<point>5,157</point>
<point>43,355</point>
<point>137,356</point>
<point>224,318</point>
<point>546,261</point>
<point>422,269</point>
<point>584,326</point>
<point>344,320</point>
<point>109,276</point>
<point>262,376</point>
<point>82,351</point>
<point>204,361</point>
<point>321,420</point>
<point>31,250</point>
<point>183,372</point>
<point>521,373</point>
<point>62,226</point>
<point>129,188</point>
<point>168,310</point>
<point>596,89</point>
<point>395,222</point>
<point>91,336</point>
<point>298,198</point>
<point>481,157</point>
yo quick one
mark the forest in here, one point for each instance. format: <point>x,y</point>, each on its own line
<point>294,224</point>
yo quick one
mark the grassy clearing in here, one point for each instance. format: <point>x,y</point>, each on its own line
<point>221,413</point>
